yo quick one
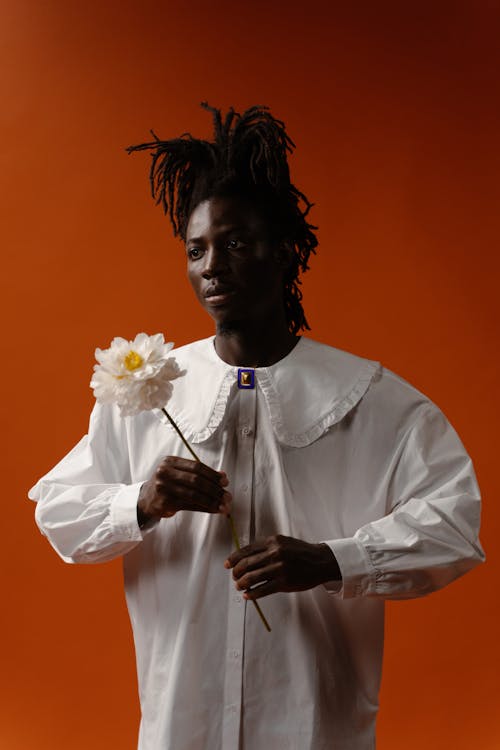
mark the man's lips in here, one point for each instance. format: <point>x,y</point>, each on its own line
<point>218,295</point>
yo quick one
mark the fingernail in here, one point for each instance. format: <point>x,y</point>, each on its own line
<point>227,564</point>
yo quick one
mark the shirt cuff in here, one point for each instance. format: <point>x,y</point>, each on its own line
<point>355,568</point>
<point>123,513</point>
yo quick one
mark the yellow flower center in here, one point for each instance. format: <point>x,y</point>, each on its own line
<point>133,360</point>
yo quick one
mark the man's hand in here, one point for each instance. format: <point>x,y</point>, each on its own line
<point>281,563</point>
<point>183,484</point>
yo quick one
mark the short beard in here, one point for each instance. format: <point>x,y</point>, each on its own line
<point>229,327</point>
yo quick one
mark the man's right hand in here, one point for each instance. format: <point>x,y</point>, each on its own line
<point>183,484</point>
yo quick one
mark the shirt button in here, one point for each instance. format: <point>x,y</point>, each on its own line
<point>235,654</point>
<point>237,598</point>
<point>246,431</point>
<point>244,487</point>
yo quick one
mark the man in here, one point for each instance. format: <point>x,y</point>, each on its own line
<point>346,484</point>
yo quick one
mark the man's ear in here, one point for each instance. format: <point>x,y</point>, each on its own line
<point>283,253</point>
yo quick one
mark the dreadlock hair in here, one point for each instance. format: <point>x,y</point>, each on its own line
<point>247,158</point>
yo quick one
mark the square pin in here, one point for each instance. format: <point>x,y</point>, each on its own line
<point>246,378</point>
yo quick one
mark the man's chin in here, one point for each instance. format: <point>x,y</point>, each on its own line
<point>228,326</point>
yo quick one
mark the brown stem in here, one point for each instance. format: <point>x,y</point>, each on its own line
<point>229,518</point>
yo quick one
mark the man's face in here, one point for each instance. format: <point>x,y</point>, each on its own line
<point>234,269</point>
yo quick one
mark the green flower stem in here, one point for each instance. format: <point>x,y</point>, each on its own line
<point>229,518</point>
<point>180,435</point>
<point>238,546</point>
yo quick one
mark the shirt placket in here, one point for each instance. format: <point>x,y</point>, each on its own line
<point>242,494</point>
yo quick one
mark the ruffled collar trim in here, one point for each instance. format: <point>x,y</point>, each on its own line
<point>306,392</point>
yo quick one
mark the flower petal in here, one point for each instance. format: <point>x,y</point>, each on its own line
<point>148,386</point>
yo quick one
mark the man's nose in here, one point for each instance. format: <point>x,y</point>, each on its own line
<point>215,262</point>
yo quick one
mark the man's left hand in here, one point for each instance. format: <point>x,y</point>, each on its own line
<point>281,563</point>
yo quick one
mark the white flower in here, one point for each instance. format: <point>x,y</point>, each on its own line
<point>136,374</point>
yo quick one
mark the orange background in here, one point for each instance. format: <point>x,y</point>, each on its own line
<point>394,108</point>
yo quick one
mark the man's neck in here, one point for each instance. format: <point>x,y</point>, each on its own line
<point>255,346</point>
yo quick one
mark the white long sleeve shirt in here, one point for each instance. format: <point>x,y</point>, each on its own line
<point>326,447</point>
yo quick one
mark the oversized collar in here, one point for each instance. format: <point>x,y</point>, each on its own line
<point>306,392</point>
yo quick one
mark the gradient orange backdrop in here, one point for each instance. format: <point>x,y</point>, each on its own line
<point>394,108</point>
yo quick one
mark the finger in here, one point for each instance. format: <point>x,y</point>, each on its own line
<point>189,498</point>
<point>250,563</point>
<point>193,506</point>
<point>224,481</point>
<point>225,506</point>
<point>196,467</point>
<point>167,477</point>
<point>249,549</point>
<point>264,589</point>
<point>260,576</point>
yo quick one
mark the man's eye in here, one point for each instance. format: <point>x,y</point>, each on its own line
<point>235,244</point>
<point>194,252</point>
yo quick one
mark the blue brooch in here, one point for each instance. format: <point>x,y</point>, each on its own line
<point>246,378</point>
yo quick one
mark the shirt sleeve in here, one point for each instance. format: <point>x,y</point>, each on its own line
<point>430,535</point>
<point>87,504</point>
